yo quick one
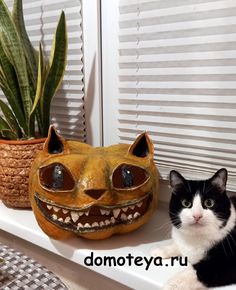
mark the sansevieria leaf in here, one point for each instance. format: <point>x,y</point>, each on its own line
<point>8,80</point>
<point>56,71</point>
<point>13,47</point>
<point>27,79</point>
<point>10,118</point>
<point>40,80</point>
<point>9,74</point>
<point>3,124</point>
<point>39,89</point>
<point>8,134</point>
<point>5,130</point>
<point>31,59</point>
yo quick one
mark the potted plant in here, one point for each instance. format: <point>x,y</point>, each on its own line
<point>29,81</point>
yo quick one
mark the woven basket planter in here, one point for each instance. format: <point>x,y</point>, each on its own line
<point>16,158</point>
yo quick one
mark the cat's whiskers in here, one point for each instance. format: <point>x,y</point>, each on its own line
<point>166,225</point>
<point>230,236</point>
<point>224,248</point>
<point>227,239</point>
<point>173,213</point>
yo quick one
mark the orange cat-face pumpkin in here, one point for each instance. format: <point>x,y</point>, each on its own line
<point>76,189</point>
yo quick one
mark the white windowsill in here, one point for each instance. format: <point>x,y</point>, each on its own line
<point>22,224</point>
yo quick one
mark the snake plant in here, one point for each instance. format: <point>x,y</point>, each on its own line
<point>28,80</point>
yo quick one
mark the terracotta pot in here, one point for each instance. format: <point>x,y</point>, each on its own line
<point>16,157</point>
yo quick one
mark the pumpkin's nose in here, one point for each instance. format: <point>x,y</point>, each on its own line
<point>95,193</point>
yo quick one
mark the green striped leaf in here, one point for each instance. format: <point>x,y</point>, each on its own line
<point>3,124</point>
<point>30,53</point>
<point>13,48</point>
<point>13,102</point>
<point>55,75</point>
<point>9,73</point>
<point>10,118</point>
<point>8,134</point>
<point>40,80</point>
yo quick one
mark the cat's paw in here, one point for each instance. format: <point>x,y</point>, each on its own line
<point>185,280</point>
<point>160,252</point>
<point>165,252</point>
<point>182,285</point>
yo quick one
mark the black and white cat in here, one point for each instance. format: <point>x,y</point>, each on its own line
<point>204,230</point>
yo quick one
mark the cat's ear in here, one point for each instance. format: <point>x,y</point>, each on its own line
<point>55,143</point>
<point>219,179</point>
<point>142,146</point>
<point>176,179</point>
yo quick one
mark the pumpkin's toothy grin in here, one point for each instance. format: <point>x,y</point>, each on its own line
<point>93,218</point>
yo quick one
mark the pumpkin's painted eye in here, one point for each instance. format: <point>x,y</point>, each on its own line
<point>56,177</point>
<point>186,203</point>
<point>128,176</point>
<point>209,203</point>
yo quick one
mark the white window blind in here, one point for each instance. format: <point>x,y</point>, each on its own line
<point>177,80</point>
<point>41,18</point>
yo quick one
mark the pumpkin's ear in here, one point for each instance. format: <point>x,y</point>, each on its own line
<point>142,146</point>
<point>54,143</point>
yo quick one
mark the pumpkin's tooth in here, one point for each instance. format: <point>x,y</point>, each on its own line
<point>74,216</point>
<point>136,215</point>
<point>54,217</point>
<point>67,219</point>
<point>116,212</point>
<point>49,206</point>
<point>130,216</point>
<point>60,219</point>
<point>125,208</point>
<point>80,213</point>
<point>65,211</point>
<point>113,220</point>
<point>102,224</point>
<point>104,211</point>
<point>107,222</point>
<point>123,217</point>
<point>132,207</point>
<point>79,226</point>
<point>95,224</point>
<point>139,204</point>
<point>87,213</point>
<point>87,225</point>
<point>56,209</point>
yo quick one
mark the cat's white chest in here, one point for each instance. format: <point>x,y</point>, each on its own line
<point>190,246</point>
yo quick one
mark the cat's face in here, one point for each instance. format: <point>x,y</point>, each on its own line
<point>93,192</point>
<point>200,206</point>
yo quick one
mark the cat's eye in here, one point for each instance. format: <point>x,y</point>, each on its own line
<point>209,203</point>
<point>56,177</point>
<point>186,203</point>
<point>128,176</point>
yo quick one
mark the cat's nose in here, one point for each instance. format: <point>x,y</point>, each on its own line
<point>95,193</point>
<point>197,217</point>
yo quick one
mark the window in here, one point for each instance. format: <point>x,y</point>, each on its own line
<point>176,71</point>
